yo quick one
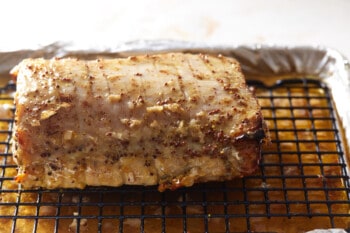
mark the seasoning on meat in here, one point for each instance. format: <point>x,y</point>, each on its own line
<point>170,120</point>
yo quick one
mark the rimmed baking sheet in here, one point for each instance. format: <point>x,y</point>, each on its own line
<point>302,182</point>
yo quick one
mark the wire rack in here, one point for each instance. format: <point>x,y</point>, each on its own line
<point>302,182</point>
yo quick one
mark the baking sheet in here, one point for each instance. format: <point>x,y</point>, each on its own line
<point>257,61</point>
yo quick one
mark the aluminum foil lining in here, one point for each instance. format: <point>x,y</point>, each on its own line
<point>258,62</point>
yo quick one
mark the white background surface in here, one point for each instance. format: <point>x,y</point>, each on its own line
<point>103,24</point>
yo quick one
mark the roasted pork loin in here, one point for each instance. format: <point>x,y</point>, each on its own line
<point>170,120</point>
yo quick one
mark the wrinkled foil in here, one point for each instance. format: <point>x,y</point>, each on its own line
<point>258,62</point>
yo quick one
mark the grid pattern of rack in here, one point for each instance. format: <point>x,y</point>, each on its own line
<point>302,182</point>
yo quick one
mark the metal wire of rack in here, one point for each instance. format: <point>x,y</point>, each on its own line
<point>302,182</point>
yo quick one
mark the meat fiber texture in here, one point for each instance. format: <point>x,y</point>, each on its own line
<point>170,119</point>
